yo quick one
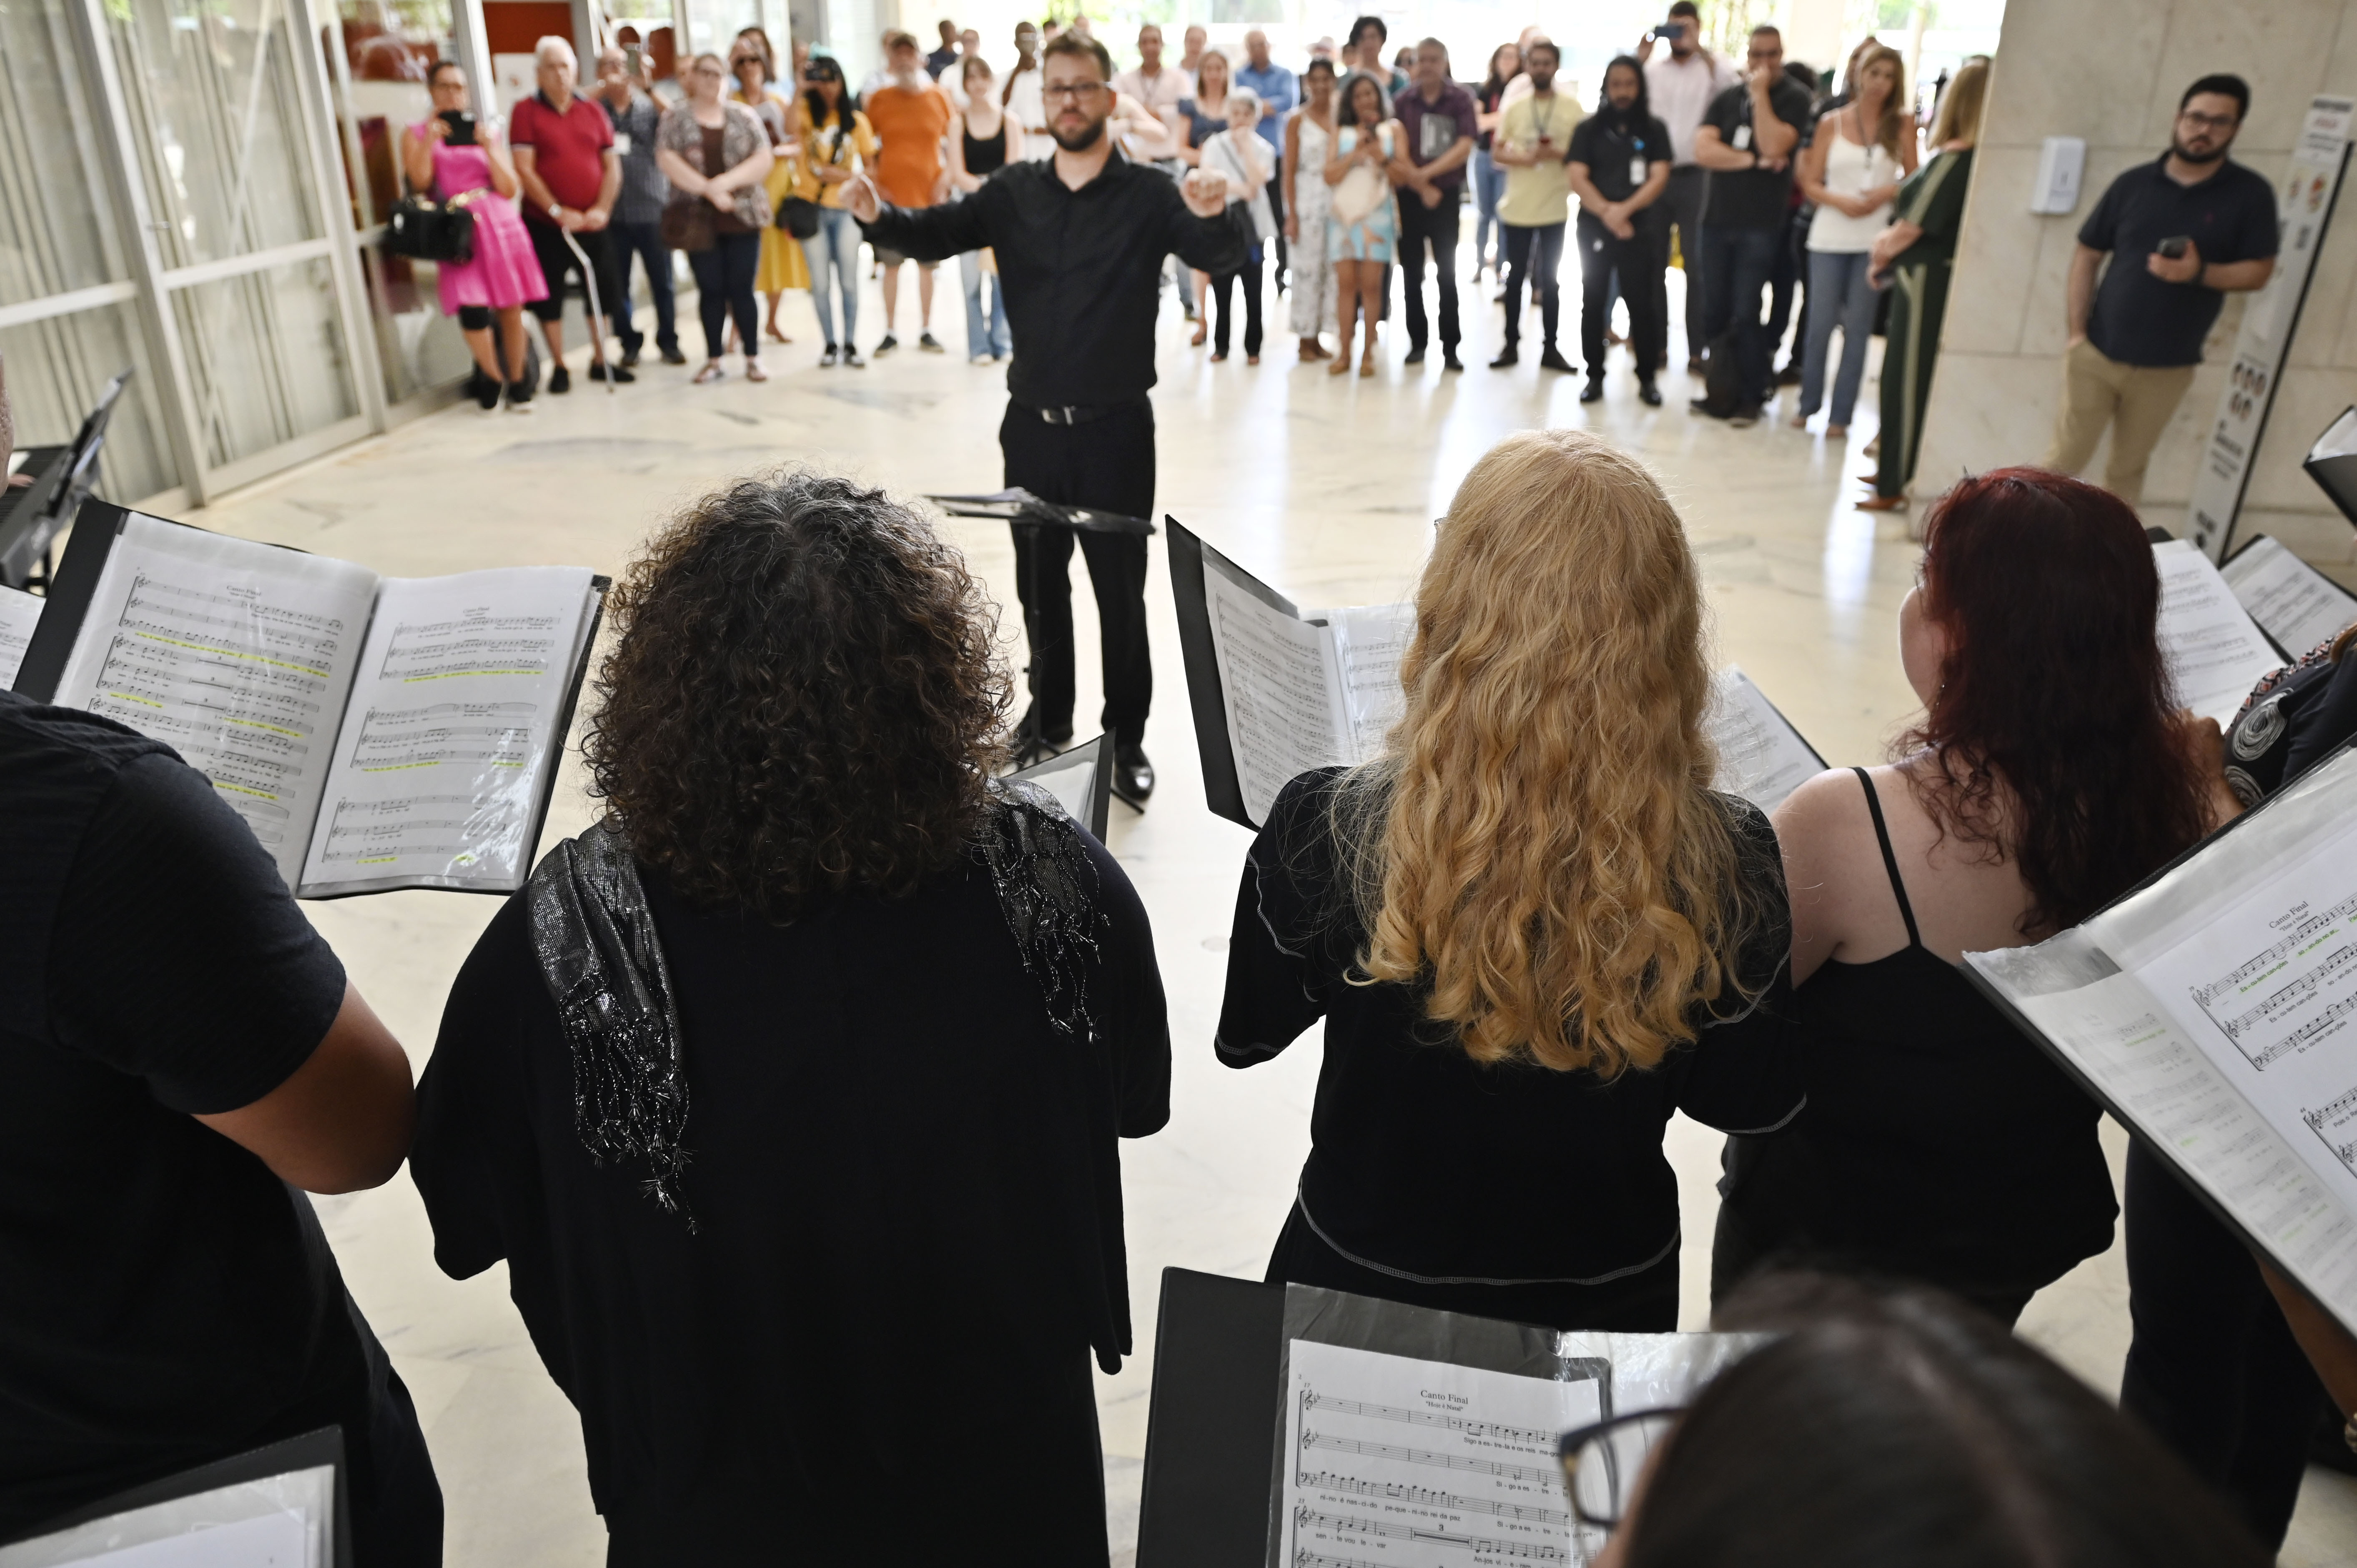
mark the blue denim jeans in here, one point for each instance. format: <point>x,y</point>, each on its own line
<point>1838,296</point>
<point>835,248</point>
<point>643,241</point>
<point>1489,189</point>
<point>986,333</point>
<point>1736,266</point>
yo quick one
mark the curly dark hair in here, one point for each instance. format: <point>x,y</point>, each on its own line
<point>804,699</point>
<point>2054,688</point>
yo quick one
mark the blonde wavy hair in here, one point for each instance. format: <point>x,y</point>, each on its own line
<point>1539,845</point>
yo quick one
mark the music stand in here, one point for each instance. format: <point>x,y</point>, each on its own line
<point>31,519</point>
<point>1023,510</point>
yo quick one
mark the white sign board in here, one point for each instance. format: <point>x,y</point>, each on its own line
<point>2303,207</point>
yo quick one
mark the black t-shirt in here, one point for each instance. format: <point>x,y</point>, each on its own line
<point>164,1298</point>
<point>1752,199</point>
<point>1426,1163</point>
<point>2139,319</point>
<point>1614,150</point>
<point>887,1145</point>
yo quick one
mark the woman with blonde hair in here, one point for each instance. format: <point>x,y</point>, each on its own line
<point>1851,169</point>
<point>1532,926</point>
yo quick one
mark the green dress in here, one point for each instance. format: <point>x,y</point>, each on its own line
<point>1933,199</point>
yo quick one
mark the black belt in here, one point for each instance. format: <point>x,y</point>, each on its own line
<point>1074,414</point>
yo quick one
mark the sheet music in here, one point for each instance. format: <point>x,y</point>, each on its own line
<point>17,459</point>
<point>1370,641</point>
<point>1760,756</point>
<point>1420,1464</point>
<point>2215,653</point>
<point>1280,682</point>
<point>2339,440</point>
<point>267,1541</point>
<point>1071,777</point>
<point>235,654</point>
<point>20,612</point>
<point>2293,602</point>
<point>451,731</point>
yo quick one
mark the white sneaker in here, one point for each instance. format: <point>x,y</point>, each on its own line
<point>980,360</point>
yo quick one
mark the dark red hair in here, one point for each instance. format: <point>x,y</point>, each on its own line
<point>2054,689</point>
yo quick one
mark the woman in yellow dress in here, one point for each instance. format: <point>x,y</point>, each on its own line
<point>782,264</point>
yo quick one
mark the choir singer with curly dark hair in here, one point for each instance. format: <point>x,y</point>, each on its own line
<point>789,1092</point>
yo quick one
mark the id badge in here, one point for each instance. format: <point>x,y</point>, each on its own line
<point>622,144</point>
<point>1637,170</point>
<point>1742,138</point>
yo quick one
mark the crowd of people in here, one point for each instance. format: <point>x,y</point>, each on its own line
<point>827,1036</point>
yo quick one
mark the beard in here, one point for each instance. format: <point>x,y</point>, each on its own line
<point>1078,141</point>
<point>2177,149</point>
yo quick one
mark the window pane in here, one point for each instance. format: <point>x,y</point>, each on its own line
<point>51,237</point>
<point>56,368</point>
<point>210,87</point>
<point>265,356</point>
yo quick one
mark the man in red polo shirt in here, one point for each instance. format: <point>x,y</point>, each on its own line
<point>572,177</point>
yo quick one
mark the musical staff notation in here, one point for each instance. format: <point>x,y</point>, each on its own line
<point>1349,1524</point>
<point>1528,1436</point>
<point>1499,1467</point>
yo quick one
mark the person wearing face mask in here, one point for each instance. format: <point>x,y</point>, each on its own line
<point>2182,232</point>
<point>1619,166</point>
<point>1080,241</point>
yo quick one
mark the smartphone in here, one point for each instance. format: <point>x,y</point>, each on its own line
<point>1670,32</point>
<point>2175,246</point>
<point>462,126</point>
<point>634,62</point>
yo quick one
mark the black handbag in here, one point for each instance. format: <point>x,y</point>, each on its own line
<point>798,217</point>
<point>428,230</point>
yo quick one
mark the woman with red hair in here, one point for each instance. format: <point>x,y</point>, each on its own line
<point>2052,771</point>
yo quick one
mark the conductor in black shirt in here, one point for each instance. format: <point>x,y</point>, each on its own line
<point>1080,240</point>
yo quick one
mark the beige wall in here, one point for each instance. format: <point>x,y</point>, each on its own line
<point>2113,74</point>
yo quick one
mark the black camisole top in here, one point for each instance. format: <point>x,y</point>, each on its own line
<point>1938,1143</point>
<point>985,154</point>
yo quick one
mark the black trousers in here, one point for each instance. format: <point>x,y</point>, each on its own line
<point>723,286</point>
<point>2212,1368</point>
<point>1276,190</point>
<point>1534,257</point>
<point>1437,227</point>
<point>1642,1302</point>
<point>1222,286</point>
<point>1639,261</point>
<point>557,263</point>
<point>1106,463</point>
<point>1681,205</point>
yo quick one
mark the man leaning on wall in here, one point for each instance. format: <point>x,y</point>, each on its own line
<point>2182,232</point>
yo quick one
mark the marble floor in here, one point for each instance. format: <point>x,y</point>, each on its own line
<point>1325,487</point>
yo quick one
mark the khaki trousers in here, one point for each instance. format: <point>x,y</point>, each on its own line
<point>2135,401</point>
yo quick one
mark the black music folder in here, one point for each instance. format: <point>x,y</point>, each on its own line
<point>2331,462</point>
<point>1020,505</point>
<point>32,518</point>
<point>286,1502</point>
<point>1080,777</point>
<point>375,733</point>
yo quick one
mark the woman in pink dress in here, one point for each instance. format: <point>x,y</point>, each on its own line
<point>454,155</point>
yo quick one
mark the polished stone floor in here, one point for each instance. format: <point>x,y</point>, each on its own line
<point>1326,488</point>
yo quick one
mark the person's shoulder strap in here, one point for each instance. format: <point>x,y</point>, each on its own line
<point>1890,859</point>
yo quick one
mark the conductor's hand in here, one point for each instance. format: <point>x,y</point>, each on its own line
<point>860,199</point>
<point>1206,191</point>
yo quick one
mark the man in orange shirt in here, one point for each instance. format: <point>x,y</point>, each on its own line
<point>912,116</point>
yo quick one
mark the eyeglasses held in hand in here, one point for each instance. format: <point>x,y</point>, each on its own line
<point>1603,1464</point>
<point>1077,91</point>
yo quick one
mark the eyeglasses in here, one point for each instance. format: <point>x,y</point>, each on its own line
<point>1077,91</point>
<point>1602,1464</point>
<point>2208,121</point>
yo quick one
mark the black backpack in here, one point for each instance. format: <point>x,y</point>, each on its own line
<point>1722,381</point>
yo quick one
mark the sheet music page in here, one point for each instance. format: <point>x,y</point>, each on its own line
<point>2214,651</point>
<point>1393,1460</point>
<point>20,612</point>
<point>237,655</point>
<point>1760,756</point>
<point>1281,687</point>
<point>451,731</point>
<point>1070,776</point>
<point>2339,440</point>
<point>285,1539</point>
<point>2293,602</point>
<point>1370,641</point>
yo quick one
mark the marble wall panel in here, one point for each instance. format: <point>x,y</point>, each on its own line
<point>1988,299</point>
<point>1987,410</point>
<point>2074,71</point>
<point>2279,47</point>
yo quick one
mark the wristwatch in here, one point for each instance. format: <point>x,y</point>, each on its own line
<point>556,210</point>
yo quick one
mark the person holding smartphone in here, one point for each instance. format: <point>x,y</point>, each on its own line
<point>455,157</point>
<point>2183,232</point>
<point>1680,83</point>
<point>1746,141</point>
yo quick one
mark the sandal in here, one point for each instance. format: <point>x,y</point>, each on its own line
<point>711,372</point>
<point>1341,367</point>
<point>1202,332</point>
<point>1883,503</point>
<point>754,372</point>
<point>1367,365</point>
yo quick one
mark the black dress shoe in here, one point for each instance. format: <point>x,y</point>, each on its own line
<point>1505,361</point>
<point>1552,360</point>
<point>1649,394</point>
<point>1133,776</point>
<point>1449,361</point>
<point>1594,391</point>
<point>1414,355</point>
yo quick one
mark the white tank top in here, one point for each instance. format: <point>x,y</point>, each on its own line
<point>1852,170</point>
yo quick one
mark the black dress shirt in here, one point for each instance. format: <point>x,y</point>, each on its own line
<point>1079,268</point>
